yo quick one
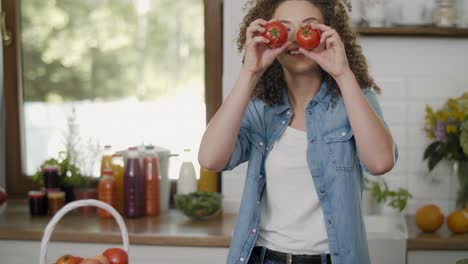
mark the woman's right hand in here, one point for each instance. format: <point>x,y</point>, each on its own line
<point>258,56</point>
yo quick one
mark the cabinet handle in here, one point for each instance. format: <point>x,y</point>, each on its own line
<point>6,34</point>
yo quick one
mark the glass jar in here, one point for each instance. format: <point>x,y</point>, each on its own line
<point>50,176</point>
<point>37,203</point>
<point>55,201</point>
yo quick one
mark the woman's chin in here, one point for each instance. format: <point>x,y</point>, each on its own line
<point>300,68</point>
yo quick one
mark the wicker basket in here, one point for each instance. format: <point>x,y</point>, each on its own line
<point>73,205</point>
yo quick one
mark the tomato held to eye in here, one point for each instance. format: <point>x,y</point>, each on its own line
<point>277,33</point>
<point>308,37</point>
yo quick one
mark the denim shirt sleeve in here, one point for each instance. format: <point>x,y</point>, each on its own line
<point>374,102</point>
<point>241,151</point>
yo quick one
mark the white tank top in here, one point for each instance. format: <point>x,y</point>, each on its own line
<point>291,219</point>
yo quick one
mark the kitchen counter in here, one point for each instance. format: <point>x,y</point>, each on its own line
<point>168,229</point>
<point>173,229</point>
<point>442,239</point>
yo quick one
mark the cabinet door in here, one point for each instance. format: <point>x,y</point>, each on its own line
<point>435,256</point>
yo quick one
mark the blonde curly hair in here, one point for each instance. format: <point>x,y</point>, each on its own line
<point>270,86</point>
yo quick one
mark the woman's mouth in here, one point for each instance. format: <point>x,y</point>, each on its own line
<point>295,52</point>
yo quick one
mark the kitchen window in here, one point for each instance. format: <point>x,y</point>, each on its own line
<point>119,73</point>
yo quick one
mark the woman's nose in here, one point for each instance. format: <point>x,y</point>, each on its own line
<point>292,34</point>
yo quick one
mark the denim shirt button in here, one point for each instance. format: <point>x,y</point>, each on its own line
<point>254,230</point>
<point>242,259</point>
<point>343,134</point>
<point>283,122</point>
<point>322,191</point>
<point>289,112</point>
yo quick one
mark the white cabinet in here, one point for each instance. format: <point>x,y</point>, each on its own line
<point>21,252</point>
<point>435,256</point>
<point>386,237</point>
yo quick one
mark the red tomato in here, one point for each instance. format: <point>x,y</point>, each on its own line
<point>308,37</point>
<point>116,256</point>
<point>277,33</point>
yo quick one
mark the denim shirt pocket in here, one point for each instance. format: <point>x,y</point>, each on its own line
<point>341,147</point>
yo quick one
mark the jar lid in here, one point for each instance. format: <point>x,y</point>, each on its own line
<point>36,194</point>
<point>50,168</point>
<point>56,195</point>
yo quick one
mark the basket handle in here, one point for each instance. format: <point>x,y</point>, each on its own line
<point>73,205</point>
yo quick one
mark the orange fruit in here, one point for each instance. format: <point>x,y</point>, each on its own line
<point>429,218</point>
<point>457,221</point>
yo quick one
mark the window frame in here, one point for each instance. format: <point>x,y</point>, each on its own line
<point>18,184</point>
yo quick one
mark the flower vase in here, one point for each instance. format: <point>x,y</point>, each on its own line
<point>461,170</point>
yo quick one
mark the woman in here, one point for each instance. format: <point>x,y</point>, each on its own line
<point>309,124</point>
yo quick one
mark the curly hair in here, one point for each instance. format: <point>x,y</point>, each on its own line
<point>270,86</point>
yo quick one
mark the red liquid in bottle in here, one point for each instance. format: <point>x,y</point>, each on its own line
<point>134,192</point>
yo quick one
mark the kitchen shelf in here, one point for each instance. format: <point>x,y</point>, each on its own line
<point>426,31</point>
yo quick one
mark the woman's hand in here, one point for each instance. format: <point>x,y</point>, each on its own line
<point>331,54</point>
<point>258,56</point>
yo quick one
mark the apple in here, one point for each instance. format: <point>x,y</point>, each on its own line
<point>3,196</point>
<point>69,259</point>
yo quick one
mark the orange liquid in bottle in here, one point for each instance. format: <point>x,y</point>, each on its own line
<point>107,192</point>
<point>208,181</point>
<point>106,161</point>
<point>151,175</point>
<point>119,171</point>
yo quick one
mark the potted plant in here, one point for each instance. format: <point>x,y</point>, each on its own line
<point>382,194</point>
<point>71,180</point>
<point>448,129</point>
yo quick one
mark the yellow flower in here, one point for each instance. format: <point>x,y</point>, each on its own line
<point>460,116</point>
<point>442,116</point>
<point>451,129</point>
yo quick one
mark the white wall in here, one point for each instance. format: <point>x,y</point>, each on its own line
<point>412,72</point>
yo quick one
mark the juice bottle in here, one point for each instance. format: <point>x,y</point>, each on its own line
<point>106,160</point>
<point>107,192</point>
<point>187,181</point>
<point>118,171</point>
<point>151,175</point>
<point>134,183</point>
<point>208,181</point>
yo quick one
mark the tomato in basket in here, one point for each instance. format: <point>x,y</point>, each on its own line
<point>116,256</point>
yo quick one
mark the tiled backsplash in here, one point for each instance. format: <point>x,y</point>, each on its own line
<point>412,72</point>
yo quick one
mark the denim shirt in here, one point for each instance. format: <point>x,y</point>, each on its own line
<point>334,164</point>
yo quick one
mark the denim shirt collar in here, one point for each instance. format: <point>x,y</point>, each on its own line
<point>323,98</point>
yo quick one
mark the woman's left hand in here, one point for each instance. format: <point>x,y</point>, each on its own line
<point>330,54</point>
